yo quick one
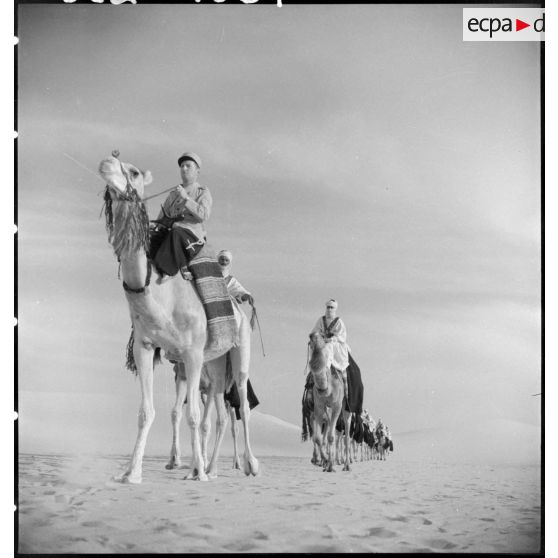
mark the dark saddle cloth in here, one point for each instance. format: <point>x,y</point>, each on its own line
<point>354,400</point>
<point>233,397</point>
<point>171,249</point>
<point>357,429</point>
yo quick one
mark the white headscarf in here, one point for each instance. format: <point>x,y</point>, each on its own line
<point>225,269</point>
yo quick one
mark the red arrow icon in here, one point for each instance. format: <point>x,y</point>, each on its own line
<point>519,25</point>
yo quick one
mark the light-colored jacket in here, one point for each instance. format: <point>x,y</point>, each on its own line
<point>193,212</point>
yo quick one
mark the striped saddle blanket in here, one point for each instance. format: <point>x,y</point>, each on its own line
<point>222,329</point>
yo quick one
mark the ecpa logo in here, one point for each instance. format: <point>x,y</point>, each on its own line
<point>503,24</point>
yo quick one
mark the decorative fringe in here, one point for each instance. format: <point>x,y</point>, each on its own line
<point>131,232</point>
<point>131,362</point>
<point>307,410</point>
<point>304,435</point>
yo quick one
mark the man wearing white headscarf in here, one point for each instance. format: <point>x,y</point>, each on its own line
<point>334,332</point>
<point>234,286</point>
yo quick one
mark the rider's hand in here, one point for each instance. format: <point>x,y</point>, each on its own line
<point>247,297</point>
<point>180,189</point>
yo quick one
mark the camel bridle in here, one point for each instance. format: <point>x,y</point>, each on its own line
<point>131,195</point>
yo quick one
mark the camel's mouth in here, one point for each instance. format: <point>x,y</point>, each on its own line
<point>112,174</point>
<point>108,166</point>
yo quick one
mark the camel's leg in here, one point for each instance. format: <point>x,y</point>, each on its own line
<point>347,420</point>
<point>221,425</point>
<point>315,453</point>
<point>317,437</point>
<point>335,412</point>
<point>193,361</point>
<point>176,416</point>
<point>234,432</point>
<point>143,357</point>
<point>240,360</point>
<point>337,437</point>
<point>206,423</point>
<point>330,438</point>
<point>216,370</point>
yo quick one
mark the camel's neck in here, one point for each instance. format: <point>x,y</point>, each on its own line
<point>128,226</point>
<point>318,367</point>
<point>320,378</point>
<point>134,270</point>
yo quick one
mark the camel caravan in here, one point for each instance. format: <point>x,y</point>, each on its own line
<point>185,306</point>
<point>332,400</point>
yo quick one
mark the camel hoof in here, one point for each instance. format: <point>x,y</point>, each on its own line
<point>173,464</point>
<point>251,467</point>
<point>211,472</point>
<point>195,476</point>
<point>126,478</point>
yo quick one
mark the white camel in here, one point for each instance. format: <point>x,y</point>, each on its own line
<point>328,392</point>
<point>167,314</point>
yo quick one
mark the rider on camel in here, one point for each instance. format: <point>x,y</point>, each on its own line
<point>180,233</point>
<point>334,332</point>
<point>236,290</point>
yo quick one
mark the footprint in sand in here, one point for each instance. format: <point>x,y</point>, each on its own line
<point>258,535</point>
<point>243,546</point>
<point>440,544</point>
<point>91,524</point>
<point>426,522</point>
<point>380,532</point>
<point>400,518</point>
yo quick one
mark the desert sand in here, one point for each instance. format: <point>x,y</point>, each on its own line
<point>70,504</point>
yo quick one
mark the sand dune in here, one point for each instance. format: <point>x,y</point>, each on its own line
<point>79,424</point>
<point>491,442</point>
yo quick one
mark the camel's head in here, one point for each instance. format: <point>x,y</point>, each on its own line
<point>127,221</point>
<point>121,176</point>
<point>316,340</point>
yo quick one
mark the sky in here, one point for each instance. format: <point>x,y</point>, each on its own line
<point>360,152</point>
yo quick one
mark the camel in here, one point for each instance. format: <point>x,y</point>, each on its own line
<point>166,314</point>
<point>381,441</point>
<point>328,392</point>
<point>212,391</point>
